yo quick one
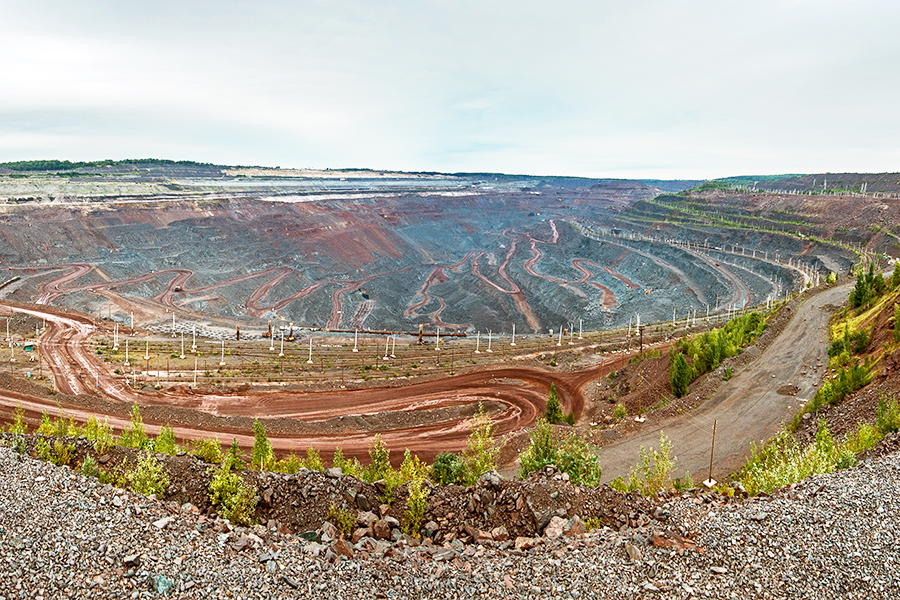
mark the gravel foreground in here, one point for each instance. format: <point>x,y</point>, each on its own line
<point>832,536</point>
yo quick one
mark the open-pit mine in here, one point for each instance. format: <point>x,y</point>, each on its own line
<point>340,304</point>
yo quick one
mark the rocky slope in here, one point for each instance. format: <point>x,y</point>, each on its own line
<point>832,536</point>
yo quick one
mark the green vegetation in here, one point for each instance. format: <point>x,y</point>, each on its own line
<point>448,468</point>
<point>313,460</point>
<point>60,165</point>
<point>848,380</point>
<point>349,466</point>
<point>262,455</point>
<point>887,415</point>
<point>553,414</point>
<point>89,467</point>
<point>232,496</point>
<point>869,287</point>
<point>148,477</point>
<point>342,518</point>
<point>709,349</point>
<point>573,455</point>
<point>99,433</point>
<point>653,471</point>
<point>18,426</point>
<point>208,450</point>
<point>58,453</point>
<point>619,412</point>
<point>135,436</point>
<point>480,455</point>
<point>416,504</point>
<point>165,441</point>
<point>782,461</point>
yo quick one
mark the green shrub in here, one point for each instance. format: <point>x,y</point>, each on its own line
<point>540,452</point>
<point>234,499</point>
<point>412,468</point>
<point>18,426</point>
<point>887,415</point>
<point>235,456</point>
<point>58,453</point>
<point>313,461</point>
<point>349,466</point>
<point>101,434</point>
<point>554,413</point>
<point>135,436</point>
<point>290,465</point>
<point>148,477</point>
<point>653,470</point>
<point>165,441</point>
<point>572,455</point>
<point>896,330</point>
<point>619,412</point>
<point>481,450</point>
<point>89,467</point>
<point>782,461</point>
<point>416,503</point>
<point>379,465</point>
<point>208,450</point>
<point>680,375</point>
<point>448,468</point>
<point>342,518</point>
<point>262,453</point>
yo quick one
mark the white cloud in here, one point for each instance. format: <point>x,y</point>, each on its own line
<point>591,88</point>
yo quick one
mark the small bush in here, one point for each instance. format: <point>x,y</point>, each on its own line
<point>619,412</point>
<point>481,450</point>
<point>379,466</point>
<point>342,518</point>
<point>416,504</point>
<point>653,470</point>
<point>553,413</point>
<point>89,467</point>
<point>262,454</point>
<point>448,468</point>
<point>412,468</point>
<point>148,477</point>
<point>313,461</point>
<point>235,456</point>
<point>349,466</point>
<point>234,498</point>
<point>18,426</point>
<point>165,441</point>
<point>135,436</point>
<point>208,450</point>
<point>290,465</point>
<point>99,433</point>
<point>573,455</point>
<point>887,415</point>
<point>58,453</point>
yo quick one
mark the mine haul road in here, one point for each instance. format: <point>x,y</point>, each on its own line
<point>747,407</point>
<point>425,417</point>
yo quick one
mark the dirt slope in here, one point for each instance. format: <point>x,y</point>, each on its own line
<point>748,407</point>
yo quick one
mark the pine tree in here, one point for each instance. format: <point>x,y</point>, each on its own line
<point>262,447</point>
<point>554,410</point>
<point>680,376</point>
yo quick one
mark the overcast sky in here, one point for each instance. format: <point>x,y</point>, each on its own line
<point>668,89</point>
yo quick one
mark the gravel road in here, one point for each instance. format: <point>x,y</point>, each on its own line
<point>748,406</point>
<point>832,536</point>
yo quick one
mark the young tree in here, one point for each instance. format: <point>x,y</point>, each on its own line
<point>554,412</point>
<point>680,376</point>
<point>481,453</point>
<point>262,447</point>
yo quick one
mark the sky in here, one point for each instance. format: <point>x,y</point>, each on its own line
<point>631,89</point>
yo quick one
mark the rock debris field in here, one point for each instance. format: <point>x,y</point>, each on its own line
<point>63,535</point>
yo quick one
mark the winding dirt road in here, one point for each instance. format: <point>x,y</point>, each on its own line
<point>747,407</point>
<point>414,416</point>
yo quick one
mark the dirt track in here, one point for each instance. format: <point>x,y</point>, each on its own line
<point>747,407</point>
<point>414,416</point>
